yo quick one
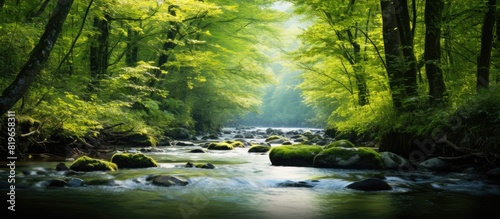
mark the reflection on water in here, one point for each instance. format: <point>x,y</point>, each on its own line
<point>245,185</point>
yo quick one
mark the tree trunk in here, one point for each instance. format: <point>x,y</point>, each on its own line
<point>99,52</point>
<point>363,95</point>
<point>131,55</point>
<point>496,45</point>
<point>448,37</point>
<point>484,59</point>
<point>167,46</point>
<point>406,34</point>
<point>38,58</point>
<point>432,54</point>
<point>393,54</point>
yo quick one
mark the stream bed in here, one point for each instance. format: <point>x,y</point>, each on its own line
<point>246,185</point>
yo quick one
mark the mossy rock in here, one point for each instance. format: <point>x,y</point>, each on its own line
<point>220,146</point>
<point>200,165</point>
<point>349,158</point>
<point>340,143</point>
<point>272,138</point>
<point>141,139</point>
<point>259,148</point>
<point>294,155</point>
<point>133,160</point>
<point>167,180</point>
<point>87,164</point>
<point>235,144</point>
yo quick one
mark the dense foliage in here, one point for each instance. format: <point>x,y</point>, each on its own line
<point>391,71</point>
<point>139,66</point>
<point>431,79</point>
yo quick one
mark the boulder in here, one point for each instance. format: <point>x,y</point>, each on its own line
<point>197,150</point>
<point>259,149</point>
<point>61,167</point>
<point>294,155</point>
<point>371,184</point>
<point>184,143</point>
<point>340,143</point>
<point>140,139</point>
<point>220,146</point>
<point>393,161</point>
<point>133,160</point>
<point>235,143</point>
<point>57,183</point>
<point>167,180</point>
<point>202,166</point>
<point>302,184</point>
<point>75,182</point>
<point>349,158</point>
<point>86,164</point>
<point>434,164</point>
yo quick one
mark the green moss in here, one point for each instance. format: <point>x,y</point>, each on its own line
<point>349,158</point>
<point>235,144</point>
<point>370,153</point>
<point>272,137</point>
<point>141,139</point>
<point>133,160</point>
<point>294,155</point>
<point>220,146</point>
<point>340,143</point>
<point>85,163</point>
<point>259,148</point>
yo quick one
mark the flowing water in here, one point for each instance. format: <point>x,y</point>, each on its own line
<point>246,185</point>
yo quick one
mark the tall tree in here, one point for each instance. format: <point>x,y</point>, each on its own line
<point>169,43</point>
<point>432,56</point>
<point>345,21</point>
<point>484,59</point>
<point>406,32</point>
<point>38,57</point>
<point>99,50</point>
<point>393,53</point>
<point>399,52</point>
<point>132,50</point>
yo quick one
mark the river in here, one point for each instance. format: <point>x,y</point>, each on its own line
<point>246,185</point>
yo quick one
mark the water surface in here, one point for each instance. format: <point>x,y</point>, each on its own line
<point>246,185</point>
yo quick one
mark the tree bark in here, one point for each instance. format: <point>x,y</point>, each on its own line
<point>363,94</point>
<point>131,55</point>
<point>393,53</point>
<point>432,54</point>
<point>99,52</point>
<point>484,59</point>
<point>38,57</point>
<point>406,34</point>
<point>496,44</point>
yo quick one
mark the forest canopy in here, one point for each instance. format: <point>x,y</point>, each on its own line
<point>139,65</point>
